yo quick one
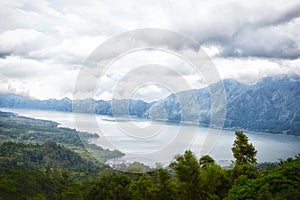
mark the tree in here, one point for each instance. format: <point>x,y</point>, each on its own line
<point>73,191</point>
<point>166,188</point>
<point>143,188</point>
<point>281,183</point>
<point>111,186</point>
<point>243,151</point>
<point>244,154</point>
<point>215,181</point>
<point>187,171</point>
<point>206,160</point>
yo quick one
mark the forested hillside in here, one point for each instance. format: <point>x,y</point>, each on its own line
<point>185,178</point>
<point>32,169</point>
<point>28,130</point>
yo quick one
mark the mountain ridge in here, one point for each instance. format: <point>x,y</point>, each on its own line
<point>269,105</point>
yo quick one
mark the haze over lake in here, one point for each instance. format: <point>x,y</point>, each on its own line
<point>270,147</point>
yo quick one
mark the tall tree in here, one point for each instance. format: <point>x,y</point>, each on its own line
<point>243,151</point>
<point>245,156</point>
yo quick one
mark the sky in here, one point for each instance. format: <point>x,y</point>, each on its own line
<point>45,44</point>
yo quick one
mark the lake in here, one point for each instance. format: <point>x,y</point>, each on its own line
<point>153,142</point>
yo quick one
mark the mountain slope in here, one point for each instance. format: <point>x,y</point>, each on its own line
<point>271,105</point>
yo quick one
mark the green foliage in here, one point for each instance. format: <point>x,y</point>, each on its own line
<point>56,169</point>
<point>20,184</point>
<point>245,156</point>
<point>215,182</point>
<point>281,183</point>
<point>137,167</point>
<point>187,171</point>
<point>111,187</point>
<point>246,169</point>
<point>28,130</point>
<point>143,188</point>
<point>73,191</point>
<point>206,160</point>
<point>166,187</point>
<point>243,151</point>
<point>46,156</point>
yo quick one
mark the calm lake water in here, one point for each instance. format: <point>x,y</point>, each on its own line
<point>157,142</point>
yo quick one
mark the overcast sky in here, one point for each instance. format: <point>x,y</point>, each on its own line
<point>43,44</point>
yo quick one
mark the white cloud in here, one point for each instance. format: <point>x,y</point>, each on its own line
<point>135,71</point>
<point>43,43</point>
<point>70,51</point>
<point>250,70</point>
<point>151,92</point>
<point>21,41</point>
<point>36,79</point>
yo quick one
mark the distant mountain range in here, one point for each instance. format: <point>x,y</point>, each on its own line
<point>271,105</point>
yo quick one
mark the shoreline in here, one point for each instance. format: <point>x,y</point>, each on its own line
<point>134,118</point>
<point>279,139</point>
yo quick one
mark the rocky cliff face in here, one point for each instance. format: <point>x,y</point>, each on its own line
<point>270,105</point>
